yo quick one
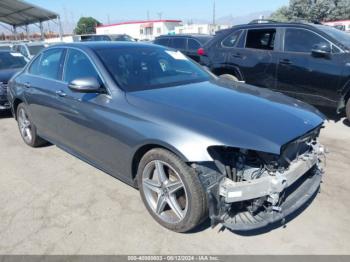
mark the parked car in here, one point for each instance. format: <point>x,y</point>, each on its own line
<point>187,44</point>
<point>30,49</point>
<point>192,143</point>
<point>10,64</point>
<point>5,47</point>
<point>306,61</point>
<point>89,38</point>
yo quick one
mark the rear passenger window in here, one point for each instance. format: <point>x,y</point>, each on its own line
<point>301,41</point>
<point>193,44</point>
<point>178,43</point>
<point>48,64</point>
<point>261,39</point>
<point>78,66</point>
<point>231,40</point>
<point>162,41</point>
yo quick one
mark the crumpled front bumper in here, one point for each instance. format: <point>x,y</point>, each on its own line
<point>297,196</point>
<point>288,191</point>
<point>268,185</point>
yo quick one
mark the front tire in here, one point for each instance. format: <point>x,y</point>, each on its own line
<point>348,110</point>
<point>171,191</point>
<point>27,129</point>
<point>229,77</point>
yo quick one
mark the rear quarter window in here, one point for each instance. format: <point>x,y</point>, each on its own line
<point>162,41</point>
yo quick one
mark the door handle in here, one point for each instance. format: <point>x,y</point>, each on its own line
<point>285,62</point>
<point>237,55</point>
<point>27,85</point>
<point>61,93</point>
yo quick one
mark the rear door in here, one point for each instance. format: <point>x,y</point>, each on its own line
<point>192,49</point>
<point>305,76</point>
<point>179,43</point>
<point>41,83</point>
<point>257,58</point>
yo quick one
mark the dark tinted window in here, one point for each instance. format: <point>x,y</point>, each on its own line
<point>178,42</point>
<point>124,38</point>
<point>193,44</point>
<point>231,40</point>
<point>35,49</point>
<point>300,40</point>
<point>77,66</point>
<point>261,39</point>
<point>11,60</point>
<point>162,41</point>
<point>48,64</point>
<point>144,68</point>
<point>342,37</point>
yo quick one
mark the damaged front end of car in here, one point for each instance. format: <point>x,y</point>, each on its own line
<point>248,190</point>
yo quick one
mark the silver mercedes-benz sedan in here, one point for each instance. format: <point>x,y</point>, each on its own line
<point>196,146</point>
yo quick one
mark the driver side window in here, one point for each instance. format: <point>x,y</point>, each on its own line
<point>78,66</point>
<point>302,41</point>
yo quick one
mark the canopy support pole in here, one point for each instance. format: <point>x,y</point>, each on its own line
<point>60,28</point>
<point>41,30</point>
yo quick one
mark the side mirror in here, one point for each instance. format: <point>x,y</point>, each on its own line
<point>321,50</point>
<point>85,85</point>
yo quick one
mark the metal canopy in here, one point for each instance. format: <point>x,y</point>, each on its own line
<point>19,13</point>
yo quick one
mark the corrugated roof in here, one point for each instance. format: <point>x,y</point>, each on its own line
<point>19,13</point>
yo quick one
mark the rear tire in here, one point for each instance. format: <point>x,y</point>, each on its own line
<point>27,129</point>
<point>160,172</point>
<point>348,110</point>
<point>229,77</point>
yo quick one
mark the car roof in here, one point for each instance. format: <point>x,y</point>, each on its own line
<point>103,45</point>
<point>187,35</point>
<point>273,24</point>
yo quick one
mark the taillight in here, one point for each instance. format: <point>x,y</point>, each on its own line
<point>201,51</point>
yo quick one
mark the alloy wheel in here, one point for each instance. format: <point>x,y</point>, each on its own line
<point>165,192</point>
<point>25,126</point>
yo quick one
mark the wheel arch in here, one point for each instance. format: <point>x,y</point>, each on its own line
<point>146,147</point>
<point>15,104</point>
<point>231,70</point>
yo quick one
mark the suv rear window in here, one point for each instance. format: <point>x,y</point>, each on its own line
<point>178,43</point>
<point>261,39</point>
<point>162,41</point>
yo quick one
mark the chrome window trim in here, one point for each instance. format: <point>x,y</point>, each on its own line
<point>306,29</point>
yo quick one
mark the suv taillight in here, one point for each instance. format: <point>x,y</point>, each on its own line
<point>201,51</point>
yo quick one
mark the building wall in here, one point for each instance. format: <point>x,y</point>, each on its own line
<point>141,30</point>
<point>345,23</point>
<point>199,29</point>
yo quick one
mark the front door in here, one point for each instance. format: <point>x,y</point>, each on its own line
<point>301,74</point>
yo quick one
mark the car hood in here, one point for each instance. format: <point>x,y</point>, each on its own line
<point>232,114</point>
<point>6,74</point>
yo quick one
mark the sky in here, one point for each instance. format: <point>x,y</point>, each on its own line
<point>111,11</point>
<point>118,10</point>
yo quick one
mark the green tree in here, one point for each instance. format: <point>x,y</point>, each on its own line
<point>281,15</point>
<point>313,10</point>
<point>341,10</point>
<point>86,25</point>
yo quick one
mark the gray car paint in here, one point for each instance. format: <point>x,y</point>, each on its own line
<point>106,130</point>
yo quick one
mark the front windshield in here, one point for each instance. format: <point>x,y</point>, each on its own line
<point>35,49</point>
<point>341,36</point>
<point>11,60</point>
<point>141,68</point>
